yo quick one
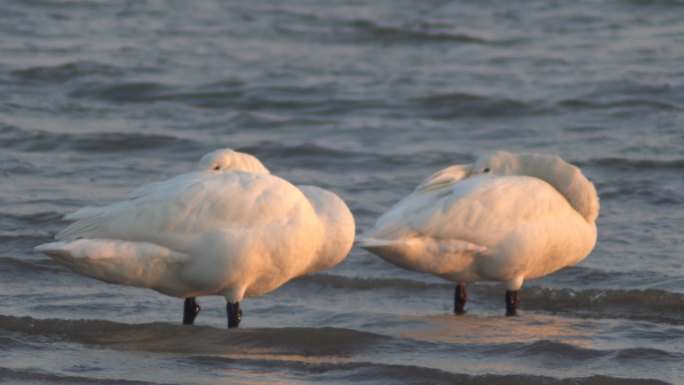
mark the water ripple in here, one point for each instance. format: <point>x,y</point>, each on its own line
<point>38,140</point>
<point>65,72</point>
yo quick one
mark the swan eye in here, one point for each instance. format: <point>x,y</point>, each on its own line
<point>486,170</point>
<point>217,167</point>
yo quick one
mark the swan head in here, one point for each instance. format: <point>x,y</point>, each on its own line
<point>231,160</point>
<point>501,163</point>
<point>563,176</point>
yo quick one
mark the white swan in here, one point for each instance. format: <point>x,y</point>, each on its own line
<point>230,228</point>
<point>507,217</point>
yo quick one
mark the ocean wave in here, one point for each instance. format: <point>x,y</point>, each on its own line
<point>595,278</point>
<point>627,164</point>
<point>33,376</point>
<point>325,353</point>
<point>382,373</point>
<point>16,244</point>
<point>555,350</point>
<point>307,149</point>
<point>675,4</point>
<point>422,31</point>
<point>38,140</point>
<point>649,305</point>
<point>369,30</point>
<point>630,96</point>
<point>347,372</point>
<point>620,104</point>
<point>366,372</point>
<point>312,100</point>
<point>13,265</point>
<point>647,179</point>
<point>647,354</point>
<point>460,104</point>
<point>20,230</point>
<point>549,349</point>
<point>10,343</point>
<point>264,120</point>
<point>338,354</point>
<point>656,195</point>
<point>236,95</point>
<point>308,155</point>
<point>652,180</point>
<point>123,92</point>
<point>163,337</point>
<point>11,164</point>
<point>323,156</point>
<point>362,283</point>
<point>317,100</point>
<point>65,72</point>
<point>31,219</point>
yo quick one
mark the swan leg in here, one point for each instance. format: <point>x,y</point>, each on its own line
<point>512,302</point>
<point>190,311</point>
<point>234,314</point>
<point>460,298</point>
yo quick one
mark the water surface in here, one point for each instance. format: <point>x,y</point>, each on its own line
<point>364,99</point>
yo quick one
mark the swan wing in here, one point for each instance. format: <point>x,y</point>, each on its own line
<point>147,189</point>
<point>480,210</point>
<point>482,215</point>
<point>92,211</point>
<point>233,233</point>
<point>444,178</point>
<point>189,205</point>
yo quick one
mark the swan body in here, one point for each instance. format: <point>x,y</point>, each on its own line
<point>230,228</point>
<point>507,217</point>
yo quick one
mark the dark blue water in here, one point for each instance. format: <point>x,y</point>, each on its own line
<point>364,99</point>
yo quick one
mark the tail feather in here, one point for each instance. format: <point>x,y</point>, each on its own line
<point>139,264</point>
<point>374,242</point>
<point>425,254</point>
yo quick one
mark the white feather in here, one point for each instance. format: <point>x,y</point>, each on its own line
<point>508,217</point>
<point>233,233</point>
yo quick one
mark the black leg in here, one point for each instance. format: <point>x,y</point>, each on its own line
<point>234,314</point>
<point>512,301</point>
<point>460,298</point>
<point>190,311</point>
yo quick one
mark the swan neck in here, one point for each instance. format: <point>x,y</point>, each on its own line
<point>566,179</point>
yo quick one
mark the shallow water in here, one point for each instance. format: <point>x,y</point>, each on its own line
<point>365,99</point>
